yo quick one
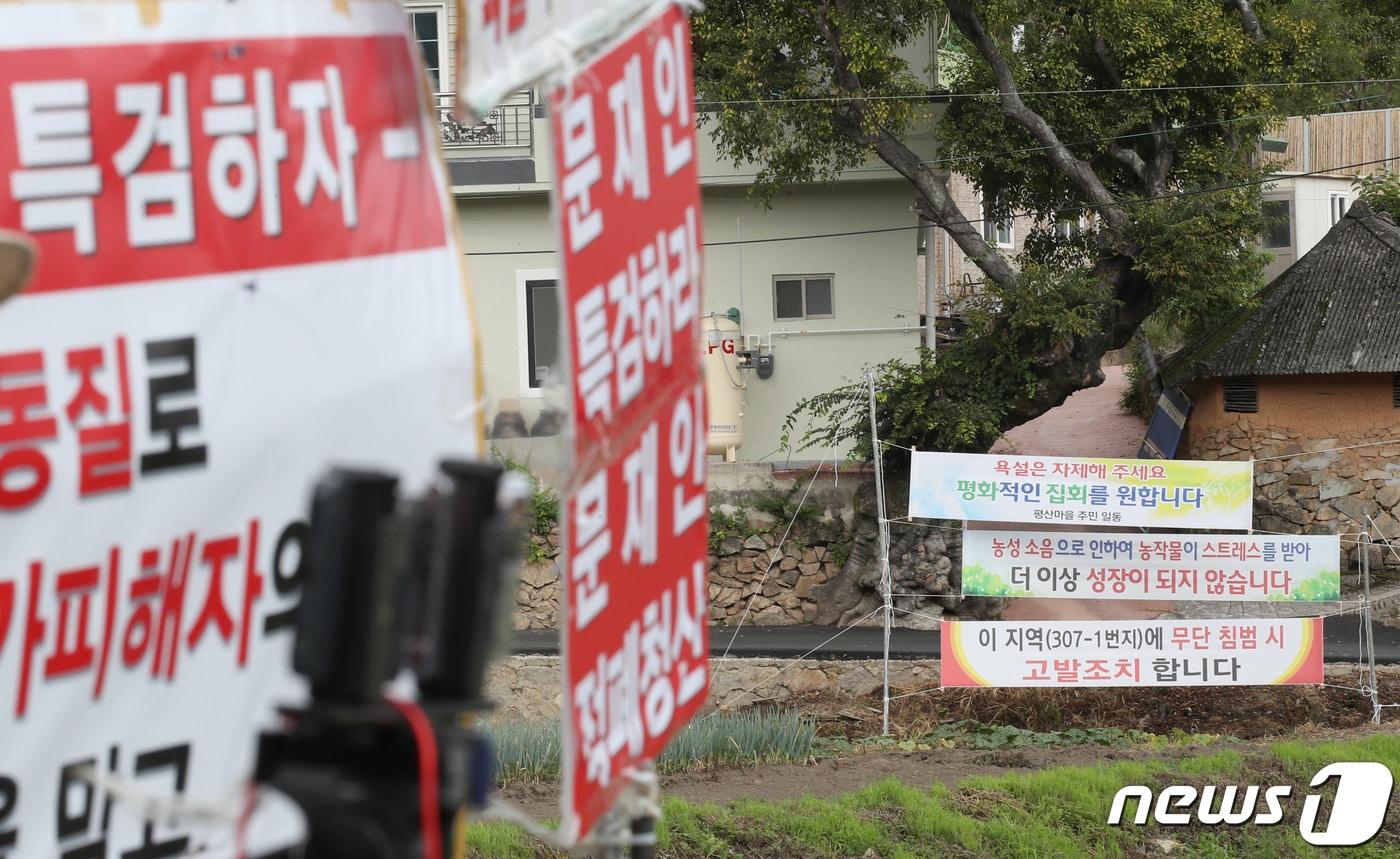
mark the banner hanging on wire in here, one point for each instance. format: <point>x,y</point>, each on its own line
<point>510,44</point>
<point>1085,654</point>
<point>1254,567</point>
<point>1081,490</point>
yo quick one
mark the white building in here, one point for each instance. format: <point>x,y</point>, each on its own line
<point>824,305</point>
<point>1304,207</point>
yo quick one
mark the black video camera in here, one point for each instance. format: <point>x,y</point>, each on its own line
<point>391,586</point>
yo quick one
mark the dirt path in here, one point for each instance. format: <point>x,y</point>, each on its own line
<point>1089,423</point>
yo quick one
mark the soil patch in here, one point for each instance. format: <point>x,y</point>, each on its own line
<point>1246,712</point>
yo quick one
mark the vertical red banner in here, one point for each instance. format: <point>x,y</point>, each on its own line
<point>627,200</point>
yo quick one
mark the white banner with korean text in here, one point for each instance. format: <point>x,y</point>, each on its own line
<point>248,272</point>
<point>1088,653</point>
<point>504,45</point>
<point>1242,567</point>
<point>1081,490</point>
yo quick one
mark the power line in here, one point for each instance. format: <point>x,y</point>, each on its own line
<point>930,96</point>
<point>1079,208</point>
<point>1086,141</point>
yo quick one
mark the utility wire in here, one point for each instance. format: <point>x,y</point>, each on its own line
<point>933,96</point>
<point>1077,208</point>
<point>957,159</point>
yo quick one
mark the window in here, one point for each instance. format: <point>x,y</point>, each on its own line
<point>803,297</point>
<point>1241,394</point>
<point>1337,202</point>
<point>1278,227</point>
<point>428,24</point>
<point>996,232</point>
<point>539,305</point>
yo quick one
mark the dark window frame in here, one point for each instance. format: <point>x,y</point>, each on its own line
<point>532,285</point>
<point>1266,238</point>
<point>440,37</point>
<point>806,280</point>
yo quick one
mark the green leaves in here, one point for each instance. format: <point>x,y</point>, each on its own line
<point>1157,107</point>
<point>1381,191</point>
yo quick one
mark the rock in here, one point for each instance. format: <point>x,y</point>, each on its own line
<point>1356,509</point>
<point>1266,479</point>
<point>1305,478</point>
<point>770,616</point>
<point>809,569</point>
<point>806,680</point>
<point>1375,474</point>
<point>809,556</point>
<point>772,589</point>
<point>1387,496</point>
<point>1296,515</point>
<point>1336,487</point>
<point>804,586</point>
<point>730,546</point>
<point>788,563</point>
<point>745,564</point>
<point>539,574</point>
<point>755,542</point>
<point>1326,514</point>
<point>789,577</point>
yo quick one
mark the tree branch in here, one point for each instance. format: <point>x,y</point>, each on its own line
<point>932,185</point>
<point>1130,159</point>
<point>1250,21</point>
<point>1080,174</point>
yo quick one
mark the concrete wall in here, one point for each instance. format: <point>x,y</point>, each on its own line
<point>874,287</point>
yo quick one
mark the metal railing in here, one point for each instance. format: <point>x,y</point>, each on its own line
<point>506,125</point>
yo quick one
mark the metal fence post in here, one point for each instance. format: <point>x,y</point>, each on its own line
<point>886,586</point>
<point>1374,691</point>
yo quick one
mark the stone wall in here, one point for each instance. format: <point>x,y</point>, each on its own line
<point>528,687</point>
<point>751,507</point>
<point>1303,485</point>
<point>775,582</point>
<point>748,564</point>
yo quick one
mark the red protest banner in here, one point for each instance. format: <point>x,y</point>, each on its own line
<point>627,200</point>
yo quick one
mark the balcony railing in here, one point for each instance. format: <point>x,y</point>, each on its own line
<point>508,125</point>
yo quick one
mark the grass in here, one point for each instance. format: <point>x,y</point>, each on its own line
<point>531,750</point>
<point>1048,813</point>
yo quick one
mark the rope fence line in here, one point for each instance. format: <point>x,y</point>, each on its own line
<point>773,559</point>
<point>1362,607</point>
<point>796,659</point>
